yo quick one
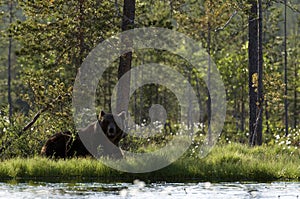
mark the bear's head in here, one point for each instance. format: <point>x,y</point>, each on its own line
<point>112,125</point>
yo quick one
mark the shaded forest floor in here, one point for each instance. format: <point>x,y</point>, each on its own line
<point>230,162</point>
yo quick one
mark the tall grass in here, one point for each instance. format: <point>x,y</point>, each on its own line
<point>231,162</point>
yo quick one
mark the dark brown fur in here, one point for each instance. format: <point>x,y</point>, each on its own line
<point>63,145</point>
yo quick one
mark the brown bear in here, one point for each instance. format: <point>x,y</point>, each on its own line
<point>90,140</point>
<point>63,144</point>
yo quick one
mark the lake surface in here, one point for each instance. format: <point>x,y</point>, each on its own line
<point>139,190</point>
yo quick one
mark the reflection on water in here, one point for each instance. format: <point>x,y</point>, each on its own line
<point>139,189</point>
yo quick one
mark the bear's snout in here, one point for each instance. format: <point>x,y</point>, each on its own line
<point>111,130</point>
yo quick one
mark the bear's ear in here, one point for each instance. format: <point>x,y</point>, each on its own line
<point>101,115</point>
<point>122,115</point>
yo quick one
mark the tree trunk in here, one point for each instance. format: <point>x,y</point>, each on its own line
<point>267,117</point>
<point>208,83</point>
<point>201,119</point>
<point>285,74</point>
<point>253,66</point>
<point>10,5</point>
<point>125,60</point>
<point>243,111</point>
<point>80,34</point>
<point>296,111</point>
<point>260,97</point>
<point>255,73</point>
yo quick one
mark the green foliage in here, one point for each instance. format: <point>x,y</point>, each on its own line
<point>14,142</point>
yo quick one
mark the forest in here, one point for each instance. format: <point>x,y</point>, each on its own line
<point>255,46</point>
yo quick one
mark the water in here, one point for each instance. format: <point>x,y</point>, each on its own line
<point>139,190</point>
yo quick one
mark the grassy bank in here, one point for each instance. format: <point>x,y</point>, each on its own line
<point>232,162</point>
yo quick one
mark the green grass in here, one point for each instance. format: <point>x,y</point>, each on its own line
<point>232,162</point>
